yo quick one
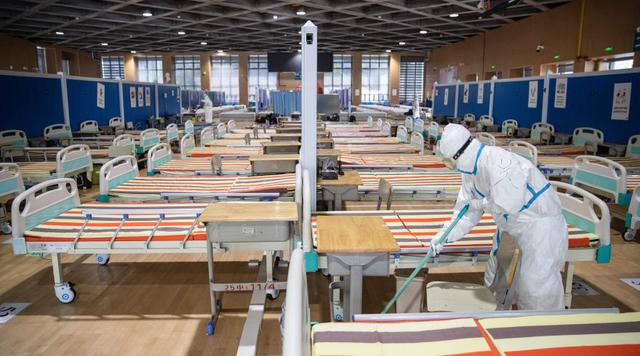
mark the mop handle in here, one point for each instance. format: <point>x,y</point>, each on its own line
<point>425,259</point>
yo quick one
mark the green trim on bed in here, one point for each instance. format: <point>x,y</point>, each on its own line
<point>49,213</point>
<point>121,179</point>
<point>627,219</point>
<point>624,199</point>
<point>603,254</point>
<point>74,164</point>
<point>9,185</point>
<point>311,261</point>
<point>579,222</point>
<point>597,181</point>
<point>103,198</point>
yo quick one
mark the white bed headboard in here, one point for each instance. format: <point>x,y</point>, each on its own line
<point>408,123</point>
<point>469,117</point>
<point>188,127</point>
<point>434,130</point>
<point>379,124</point>
<point>486,138</point>
<point>172,132</point>
<point>578,208</point>
<point>402,134</point>
<point>602,174</point>
<point>187,143</point>
<point>157,156</point>
<point>207,135</point>
<point>418,125</point>
<point>509,126</point>
<point>116,122</point>
<point>116,172</point>
<point>11,182</point>
<point>524,149</point>
<point>386,128</point>
<point>633,147</point>
<point>89,126</point>
<point>583,136</point>
<point>542,131</point>
<point>231,125</point>
<point>221,130</point>
<point>418,140</point>
<point>38,204</point>
<point>149,138</point>
<point>57,132</point>
<point>73,160</point>
<point>485,120</point>
<point>13,138</point>
<point>369,121</point>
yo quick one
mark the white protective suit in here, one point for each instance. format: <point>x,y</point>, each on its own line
<point>523,204</point>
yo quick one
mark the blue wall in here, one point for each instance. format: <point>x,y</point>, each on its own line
<point>30,103</point>
<point>138,114</point>
<point>83,95</point>
<point>439,108</point>
<point>510,101</point>
<point>589,103</point>
<point>168,100</point>
<point>472,105</point>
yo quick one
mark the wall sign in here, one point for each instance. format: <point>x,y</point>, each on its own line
<point>446,96</point>
<point>100,95</point>
<point>132,97</point>
<point>465,93</point>
<point>140,97</point>
<point>147,96</point>
<point>480,93</point>
<point>533,94</point>
<point>560,101</point>
<point>621,101</point>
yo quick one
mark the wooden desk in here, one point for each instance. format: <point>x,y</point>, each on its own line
<point>250,211</point>
<point>325,143</point>
<point>281,147</point>
<point>286,137</point>
<point>273,163</point>
<point>355,246</point>
<point>343,188</point>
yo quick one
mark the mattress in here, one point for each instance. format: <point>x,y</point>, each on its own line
<point>175,225</point>
<point>412,181</point>
<point>414,229</point>
<point>365,140</point>
<point>203,165</point>
<point>630,164</point>
<point>355,133</point>
<point>376,148</point>
<point>38,169</point>
<point>237,152</point>
<point>223,142</point>
<point>632,182</point>
<point>153,187</point>
<point>560,150</point>
<point>556,161</point>
<point>240,136</point>
<point>250,131</point>
<point>415,161</point>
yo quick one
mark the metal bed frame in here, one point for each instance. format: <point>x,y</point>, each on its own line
<point>11,185</point>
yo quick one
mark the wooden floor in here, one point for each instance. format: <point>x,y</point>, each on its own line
<point>158,304</point>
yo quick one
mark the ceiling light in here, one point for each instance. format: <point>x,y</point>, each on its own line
<point>387,50</point>
<point>203,43</point>
<point>423,32</point>
<point>401,43</point>
<point>453,15</point>
<point>379,16</point>
<point>147,13</point>
<point>220,51</point>
<point>178,16</point>
<point>134,52</point>
<point>104,44</point>
<point>275,17</point>
<point>299,50</point>
<point>182,33</point>
<point>59,33</point>
<point>301,12</point>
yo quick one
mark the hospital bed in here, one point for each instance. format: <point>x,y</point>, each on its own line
<point>88,128</point>
<point>11,185</point>
<point>391,162</point>
<point>10,139</point>
<point>361,114</point>
<point>119,181</point>
<point>247,118</point>
<point>58,132</point>
<point>416,145</point>
<point>605,177</point>
<point>632,218</point>
<point>408,185</point>
<point>71,161</point>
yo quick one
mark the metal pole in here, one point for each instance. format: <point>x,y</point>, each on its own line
<point>491,90</point>
<point>120,93</point>
<point>65,100</point>
<point>545,98</point>
<point>309,40</point>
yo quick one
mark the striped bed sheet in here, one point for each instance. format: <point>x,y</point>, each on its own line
<point>38,169</point>
<point>560,150</point>
<point>568,334</point>
<point>203,165</point>
<point>412,181</point>
<point>250,131</point>
<point>416,161</point>
<point>240,136</point>
<point>556,161</point>
<point>632,182</point>
<point>578,334</point>
<point>355,133</point>
<point>414,229</point>
<point>153,187</point>
<point>138,226</point>
<point>238,152</point>
<point>365,140</point>
<point>376,148</point>
<point>234,143</point>
<point>630,164</point>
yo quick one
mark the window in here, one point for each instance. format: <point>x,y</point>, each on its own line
<point>112,67</point>
<point>565,68</point>
<point>225,77</point>
<point>187,72</point>
<point>149,68</point>
<point>375,78</point>
<point>42,61</point>
<point>259,75</point>
<point>340,77</point>
<point>625,62</point>
<point>411,79</point>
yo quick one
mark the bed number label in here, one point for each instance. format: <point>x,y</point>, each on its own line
<point>248,230</point>
<point>247,287</point>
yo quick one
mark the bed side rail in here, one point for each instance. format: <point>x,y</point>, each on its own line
<point>172,133</point>
<point>10,179</point>
<point>578,209</point>
<point>602,174</point>
<point>57,132</point>
<point>188,127</point>
<point>187,143</point>
<point>208,134</point>
<point>418,140</point>
<point>73,160</point>
<point>486,138</point>
<point>157,156</point>
<point>116,172</point>
<point>89,126</point>
<point>633,147</point>
<point>524,149</point>
<point>38,204</point>
<point>296,315</point>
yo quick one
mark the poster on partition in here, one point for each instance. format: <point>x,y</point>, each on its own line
<point>446,96</point>
<point>140,97</point>
<point>132,96</point>
<point>465,94</point>
<point>621,101</point>
<point>100,95</point>
<point>147,96</point>
<point>560,101</point>
<point>480,93</point>
<point>533,94</point>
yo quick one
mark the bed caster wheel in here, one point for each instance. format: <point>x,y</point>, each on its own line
<point>273,294</point>
<point>628,235</point>
<point>211,328</point>
<point>102,259</point>
<point>6,228</point>
<point>65,292</point>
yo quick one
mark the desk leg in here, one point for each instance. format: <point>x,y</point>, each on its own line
<point>337,205</point>
<point>214,302</point>
<point>346,310</point>
<point>569,269</point>
<point>355,292</point>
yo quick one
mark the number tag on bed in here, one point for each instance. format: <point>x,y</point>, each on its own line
<point>10,310</point>
<point>248,230</point>
<point>54,247</point>
<point>247,287</point>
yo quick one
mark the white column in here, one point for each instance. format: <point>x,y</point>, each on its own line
<point>455,107</point>
<point>121,94</point>
<point>545,98</point>
<point>309,39</point>
<point>65,100</point>
<point>491,90</point>
<point>157,101</point>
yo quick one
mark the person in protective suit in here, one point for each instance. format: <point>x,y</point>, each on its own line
<point>524,205</point>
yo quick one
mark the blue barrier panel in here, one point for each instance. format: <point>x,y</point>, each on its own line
<point>589,102</point>
<point>510,101</point>
<point>472,105</point>
<point>440,107</point>
<point>139,113</point>
<point>83,98</point>
<point>30,103</point>
<point>168,100</point>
